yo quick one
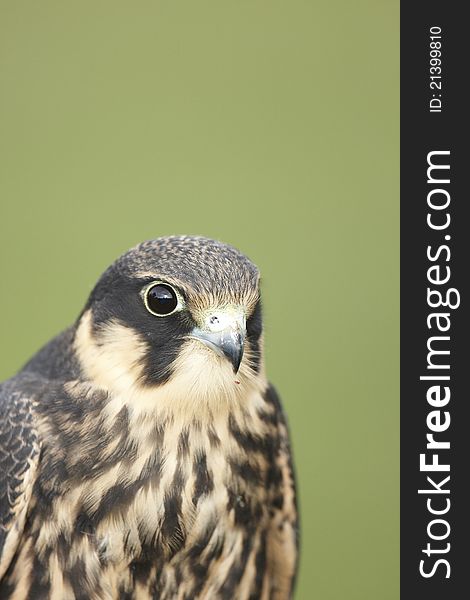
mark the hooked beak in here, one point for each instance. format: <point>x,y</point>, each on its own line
<point>224,332</point>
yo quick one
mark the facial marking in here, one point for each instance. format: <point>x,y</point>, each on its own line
<point>114,357</point>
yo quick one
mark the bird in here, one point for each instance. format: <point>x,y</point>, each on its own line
<point>143,452</point>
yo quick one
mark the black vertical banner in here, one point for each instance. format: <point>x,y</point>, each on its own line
<point>435,302</point>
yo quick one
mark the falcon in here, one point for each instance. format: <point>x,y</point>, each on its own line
<point>143,453</point>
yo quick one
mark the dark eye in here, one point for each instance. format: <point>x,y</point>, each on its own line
<point>161,299</point>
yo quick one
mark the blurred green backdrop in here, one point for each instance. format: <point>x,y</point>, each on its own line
<point>270,125</point>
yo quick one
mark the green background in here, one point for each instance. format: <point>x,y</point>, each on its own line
<point>270,125</point>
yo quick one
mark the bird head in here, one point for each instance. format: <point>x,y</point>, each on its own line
<point>179,313</point>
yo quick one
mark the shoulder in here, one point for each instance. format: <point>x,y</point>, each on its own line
<point>274,413</point>
<point>283,533</point>
<point>57,359</point>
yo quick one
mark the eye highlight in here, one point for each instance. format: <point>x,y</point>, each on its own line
<point>161,299</point>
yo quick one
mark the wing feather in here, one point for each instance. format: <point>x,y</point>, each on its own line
<point>283,535</point>
<point>19,456</point>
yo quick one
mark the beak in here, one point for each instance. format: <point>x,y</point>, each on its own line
<point>224,332</point>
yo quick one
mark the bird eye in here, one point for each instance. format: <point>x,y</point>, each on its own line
<point>161,299</point>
